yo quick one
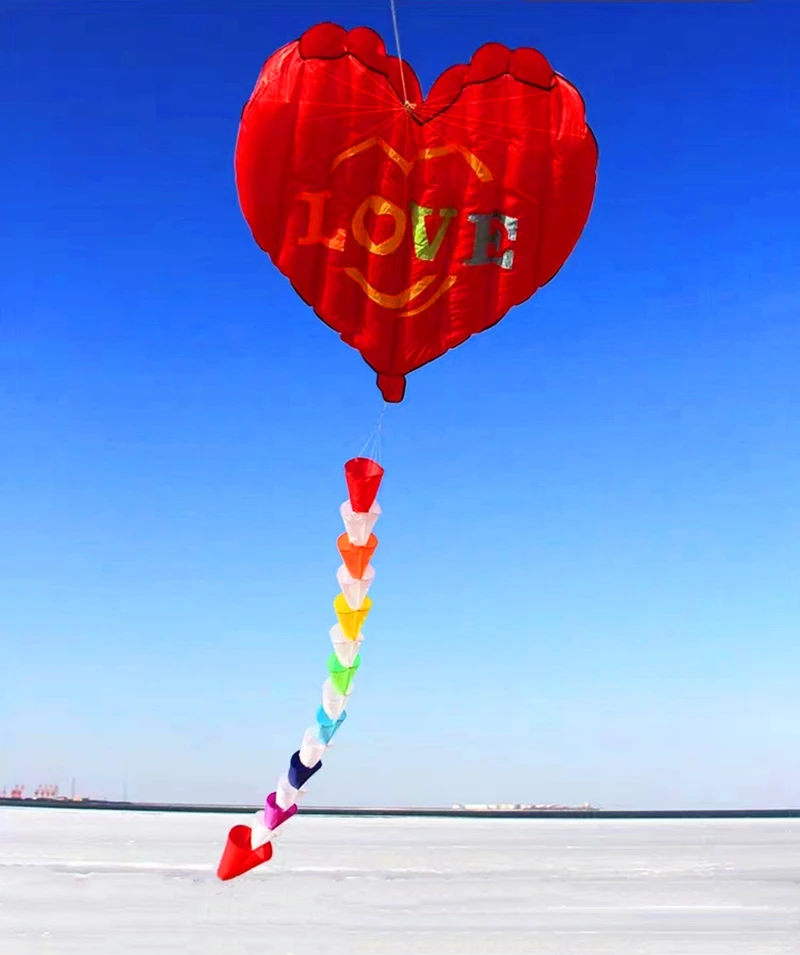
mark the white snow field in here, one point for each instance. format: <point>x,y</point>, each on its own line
<point>84,882</point>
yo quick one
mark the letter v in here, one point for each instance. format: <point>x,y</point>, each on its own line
<point>423,248</point>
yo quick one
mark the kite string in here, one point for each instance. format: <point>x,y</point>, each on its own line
<point>399,51</point>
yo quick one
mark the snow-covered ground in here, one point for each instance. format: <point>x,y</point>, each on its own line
<point>111,883</point>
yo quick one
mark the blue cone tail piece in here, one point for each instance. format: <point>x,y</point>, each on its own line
<point>299,774</point>
<point>327,726</point>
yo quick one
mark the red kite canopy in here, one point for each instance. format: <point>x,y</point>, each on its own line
<point>411,223</point>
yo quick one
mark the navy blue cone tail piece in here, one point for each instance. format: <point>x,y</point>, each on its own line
<point>299,774</point>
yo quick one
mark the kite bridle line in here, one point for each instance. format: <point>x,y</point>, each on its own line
<point>372,446</point>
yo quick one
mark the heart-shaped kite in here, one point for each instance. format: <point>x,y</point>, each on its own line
<point>410,223</point>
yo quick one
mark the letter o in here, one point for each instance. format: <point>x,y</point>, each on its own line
<point>381,207</point>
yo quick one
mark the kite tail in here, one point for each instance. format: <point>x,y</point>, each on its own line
<point>250,846</point>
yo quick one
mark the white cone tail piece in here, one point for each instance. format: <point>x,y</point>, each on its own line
<point>346,650</point>
<point>259,833</point>
<point>355,590</point>
<point>312,749</point>
<point>359,526</point>
<point>333,702</point>
<point>285,793</point>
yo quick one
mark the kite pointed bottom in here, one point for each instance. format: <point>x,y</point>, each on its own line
<point>393,387</point>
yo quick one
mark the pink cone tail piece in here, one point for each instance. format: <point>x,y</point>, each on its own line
<point>274,816</point>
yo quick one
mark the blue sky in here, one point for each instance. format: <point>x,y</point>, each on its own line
<point>587,577</point>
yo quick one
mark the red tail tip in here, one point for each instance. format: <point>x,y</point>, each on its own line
<point>238,855</point>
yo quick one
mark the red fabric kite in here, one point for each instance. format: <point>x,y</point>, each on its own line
<point>411,223</point>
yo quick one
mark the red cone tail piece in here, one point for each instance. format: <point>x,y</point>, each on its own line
<point>239,857</point>
<point>363,477</point>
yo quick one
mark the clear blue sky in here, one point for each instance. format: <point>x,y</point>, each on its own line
<point>587,582</point>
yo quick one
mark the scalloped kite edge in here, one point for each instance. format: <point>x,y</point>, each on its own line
<point>330,41</point>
